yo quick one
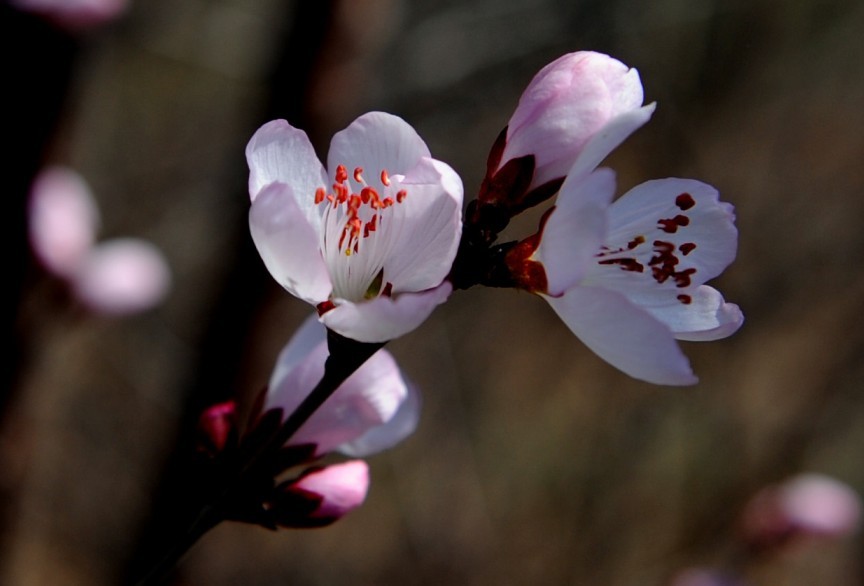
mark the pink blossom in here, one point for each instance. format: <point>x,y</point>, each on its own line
<point>122,276</point>
<point>118,277</point>
<point>370,243</point>
<point>574,112</point>
<point>807,505</point>
<point>63,220</point>
<point>627,277</point>
<point>374,408</point>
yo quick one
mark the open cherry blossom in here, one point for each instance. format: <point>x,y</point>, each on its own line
<point>368,241</point>
<point>573,113</point>
<point>628,277</point>
<point>374,409</point>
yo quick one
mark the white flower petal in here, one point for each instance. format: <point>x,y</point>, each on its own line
<point>369,398</point>
<point>288,244</point>
<point>696,314</point>
<point>384,318</point>
<point>310,334</point>
<point>278,152</point>
<point>623,335</point>
<point>429,225</point>
<point>609,137</point>
<point>376,141</point>
<point>575,229</point>
<point>670,234</point>
<point>385,436</point>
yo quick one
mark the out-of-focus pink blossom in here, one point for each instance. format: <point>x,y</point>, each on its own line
<point>574,112</point>
<point>74,15</point>
<point>63,219</point>
<point>121,277</point>
<point>116,277</point>
<point>808,505</point>
<point>321,496</point>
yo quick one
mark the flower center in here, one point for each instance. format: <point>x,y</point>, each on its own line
<point>357,232</point>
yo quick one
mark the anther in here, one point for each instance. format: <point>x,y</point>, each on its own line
<point>358,175</point>
<point>385,178</point>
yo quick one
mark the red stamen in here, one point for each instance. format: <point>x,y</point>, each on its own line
<point>385,178</point>
<point>401,195</point>
<point>341,174</point>
<point>320,194</point>
<point>358,175</point>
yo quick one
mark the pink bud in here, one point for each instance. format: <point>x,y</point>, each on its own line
<point>322,495</point>
<point>122,276</point>
<point>215,426</point>
<point>579,107</point>
<point>808,505</point>
<point>62,220</point>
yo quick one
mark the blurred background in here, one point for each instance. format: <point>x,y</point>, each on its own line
<point>534,462</point>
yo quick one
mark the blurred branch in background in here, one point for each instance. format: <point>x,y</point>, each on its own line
<point>534,462</point>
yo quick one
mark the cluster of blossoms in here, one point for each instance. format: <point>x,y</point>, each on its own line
<point>375,241</point>
<point>120,276</point>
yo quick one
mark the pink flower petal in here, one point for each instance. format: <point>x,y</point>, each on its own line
<point>122,276</point>
<point>371,398</point>
<point>385,318</point>
<point>576,229</point>
<point>278,152</point>
<point>422,250</point>
<point>698,314</point>
<point>670,234</point>
<point>288,244</point>
<point>623,335</point>
<point>63,219</point>
<point>607,139</point>
<point>341,488</point>
<point>385,436</point>
<point>374,142</point>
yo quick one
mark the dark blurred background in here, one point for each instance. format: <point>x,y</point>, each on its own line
<point>534,462</point>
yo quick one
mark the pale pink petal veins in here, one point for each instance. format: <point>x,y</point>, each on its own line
<point>575,229</point>
<point>423,246</point>
<point>376,142</point>
<point>278,152</point>
<point>288,243</point>
<point>624,335</point>
<point>667,233</point>
<point>384,318</point>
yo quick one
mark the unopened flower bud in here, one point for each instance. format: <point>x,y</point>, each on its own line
<point>321,496</point>
<point>577,108</point>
